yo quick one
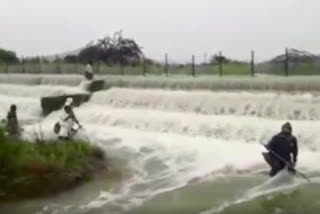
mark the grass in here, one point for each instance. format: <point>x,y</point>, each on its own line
<point>295,68</point>
<point>68,68</point>
<point>234,68</point>
<point>36,169</point>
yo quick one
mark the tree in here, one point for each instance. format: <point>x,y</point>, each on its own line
<point>71,59</point>
<point>218,59</point>
<point>112,50</point>
<point>8,56</point>
<point>34,60</point>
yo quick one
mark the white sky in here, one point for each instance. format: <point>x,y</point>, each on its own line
<point>179,27</point>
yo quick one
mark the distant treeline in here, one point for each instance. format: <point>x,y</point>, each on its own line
<point>8,56</point>
<point>110,50</point>
<point>119,50</point>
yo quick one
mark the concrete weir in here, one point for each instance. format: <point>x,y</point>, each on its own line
<point>95,85</point>
<point>54,103</point>
<point>50,104</point>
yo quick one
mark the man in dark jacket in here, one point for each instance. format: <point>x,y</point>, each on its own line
<point>13,127</point>
<point>285,146</point>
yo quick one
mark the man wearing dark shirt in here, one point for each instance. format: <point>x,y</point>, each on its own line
<point>12,122</point>
<point>285,146</point>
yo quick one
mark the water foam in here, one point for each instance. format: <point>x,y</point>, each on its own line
<point>270,105</point>
<point>28,108</point>
<point>167,147</point>
<point>246,129</point>
<point>38,91</point>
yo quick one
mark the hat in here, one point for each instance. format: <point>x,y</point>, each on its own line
<point>13,107</point>
<point>287,125</point>
<point>69,101</point>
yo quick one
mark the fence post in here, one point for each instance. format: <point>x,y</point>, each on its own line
<point>40,66</point>
<point>75,68</point>
<point>252,64</point>
<point>99,67</point>
<point>193,66</point>
<point>286,63</point>
<point>7,68</point>
<point>58,67</point>
<point>144,67</point>
<point>24,67</point>
<point>220,64</point>
<point>166,66</point>
<point>121,69</point>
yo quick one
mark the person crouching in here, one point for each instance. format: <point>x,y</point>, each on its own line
<point>66,122</point>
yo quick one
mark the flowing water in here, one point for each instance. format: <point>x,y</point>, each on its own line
<point>188,152</point>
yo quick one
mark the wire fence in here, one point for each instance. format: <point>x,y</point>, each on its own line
<point>285,65</point>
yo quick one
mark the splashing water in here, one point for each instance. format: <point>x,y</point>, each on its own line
<point>187,154</point>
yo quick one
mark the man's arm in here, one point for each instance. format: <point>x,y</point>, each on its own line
<point>272,144</point>
<point>75,119</point>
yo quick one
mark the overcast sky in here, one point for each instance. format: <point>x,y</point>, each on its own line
<point>179,27</point>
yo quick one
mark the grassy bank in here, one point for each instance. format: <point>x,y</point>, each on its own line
<point>151,69</point>
<point>37,169</point>
<point>311,67</point>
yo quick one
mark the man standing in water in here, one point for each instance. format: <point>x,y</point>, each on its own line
<point>88,74</point>
<point>282,147</point>
<point>13,127</point>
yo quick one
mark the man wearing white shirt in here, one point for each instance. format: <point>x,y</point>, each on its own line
<point>89,71</point>
<point>67,121</point>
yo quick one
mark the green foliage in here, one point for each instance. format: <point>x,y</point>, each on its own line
<point>71,59</point>
<point>8,56</point>
<point>25,166</point>
<point>24,157</point>
<point>112,50</point>
<point>3,138</point>
<point>35,60</point>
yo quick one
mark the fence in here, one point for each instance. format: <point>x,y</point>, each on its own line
<point>285,65</point>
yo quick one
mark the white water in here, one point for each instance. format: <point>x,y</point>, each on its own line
<point>28,99</point>
<point>283,181</point>
<point>167,142</point>
<point>29,108</point>
<point>304,106</point>
<point>38,91</point>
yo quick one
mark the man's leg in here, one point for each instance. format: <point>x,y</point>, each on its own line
<point>276,167</point>
<point>273,171</point>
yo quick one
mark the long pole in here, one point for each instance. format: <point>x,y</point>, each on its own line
<point>286,62</point>
<point>121,68</point>
<point>286,162</point>
<point>144,67</point>
<point>220,64</point>
<point>7,67</point>
<point>193,66</point>
<point>166,68</point>
<point>252,64</point>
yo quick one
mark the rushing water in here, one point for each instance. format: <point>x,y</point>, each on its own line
<point>189,152</point>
